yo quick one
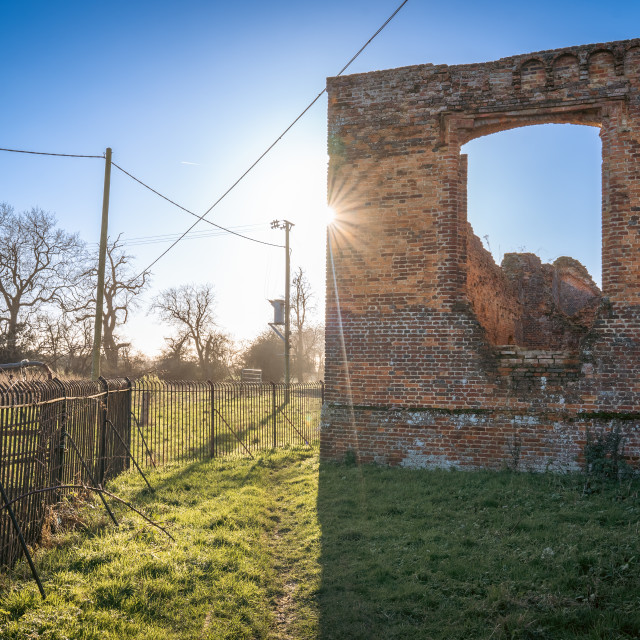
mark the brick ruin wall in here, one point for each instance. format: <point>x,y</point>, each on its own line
<point>436,356</point>
<point>529,304</point>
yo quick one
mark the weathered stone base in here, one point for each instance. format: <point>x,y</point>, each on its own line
<point>467,439</point>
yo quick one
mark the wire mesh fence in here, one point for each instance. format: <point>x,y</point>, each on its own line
<point>55,434</point>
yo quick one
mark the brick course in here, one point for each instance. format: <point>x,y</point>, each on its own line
<point>419,322</point>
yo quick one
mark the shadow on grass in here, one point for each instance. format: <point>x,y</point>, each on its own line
<point>438,554</point>
<point>181,476</point>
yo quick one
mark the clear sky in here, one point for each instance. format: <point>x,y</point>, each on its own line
<point>188,94</point>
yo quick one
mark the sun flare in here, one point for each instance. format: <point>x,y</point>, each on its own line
<point>329,215</point>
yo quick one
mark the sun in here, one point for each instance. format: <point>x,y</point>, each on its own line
<point>329,215</point>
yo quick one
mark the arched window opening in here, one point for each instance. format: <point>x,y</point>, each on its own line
<point>534,241</point>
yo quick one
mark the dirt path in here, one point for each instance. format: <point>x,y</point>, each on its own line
<point>294,547</point>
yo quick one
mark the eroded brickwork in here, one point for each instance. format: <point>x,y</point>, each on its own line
<point>435,355</point>
<point>526,303</point>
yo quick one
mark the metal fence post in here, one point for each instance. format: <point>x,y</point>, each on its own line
<point>103,431</point>
<point>144,408</point>
<point>212,440</point>
<point>273,400</point>
<point>129,404</point>
<point>62,444</point>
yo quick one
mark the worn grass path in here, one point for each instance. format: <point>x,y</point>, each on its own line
<point>244,564</point>
<point>294,544</point>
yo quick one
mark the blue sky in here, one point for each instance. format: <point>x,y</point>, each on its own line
<point>188,94</point>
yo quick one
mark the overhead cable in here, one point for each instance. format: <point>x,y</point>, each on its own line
<point>46,153</point>
<point>271,146</point>
<point>368,42</point>
<point>77,155</point>
<point>196,235</point>
<point>213,224</point>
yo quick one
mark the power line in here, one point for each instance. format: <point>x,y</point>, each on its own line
<point>368,42</point>
<point>213,224</point>
<point>196,235</point>
<point>146,186</point>
<point>235,184</point>
<point>46,153</point>
<point>77,155</point>
<point>271,146</point>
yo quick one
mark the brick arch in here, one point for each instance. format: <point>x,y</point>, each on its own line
<point>522,301</point>
<point>532,74</point>
<point>602,67</point>
<point>464,130</point>
<point>566,69</point>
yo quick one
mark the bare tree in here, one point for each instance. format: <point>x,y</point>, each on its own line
<point>120,291</point>
<point>175,361</point>
<point>189,310</point>
<point>39,266</point>
<point>302,306</point>
<point>64,343</point>
<point>314,350</point>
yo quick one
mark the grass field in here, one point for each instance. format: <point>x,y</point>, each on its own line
<point>283,547</point>
<point>176,421</point>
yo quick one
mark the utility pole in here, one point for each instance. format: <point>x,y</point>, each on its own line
<point>286,225</point>
<point>102,258</point>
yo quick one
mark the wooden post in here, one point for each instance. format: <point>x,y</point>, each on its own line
<point>102,256</point>
<point>287,313</point>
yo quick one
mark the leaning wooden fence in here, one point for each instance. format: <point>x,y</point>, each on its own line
<point>57,433</point>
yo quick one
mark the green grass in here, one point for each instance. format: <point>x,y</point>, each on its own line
<point>224,577</point>
<point>282,547</point>
<point>437,554</point>
<point>178,425</point>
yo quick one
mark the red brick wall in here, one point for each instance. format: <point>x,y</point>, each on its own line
<point>413,372</point>
<point>493,296</point>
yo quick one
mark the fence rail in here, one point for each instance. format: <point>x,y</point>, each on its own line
<point>55,433</point>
